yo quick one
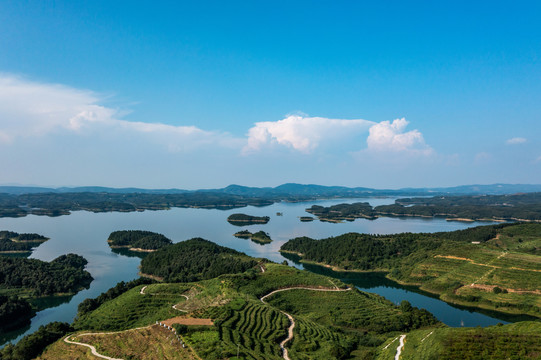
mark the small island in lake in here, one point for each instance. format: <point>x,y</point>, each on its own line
<point>306,218</point>
<point>243,219</point>
<point>13,243</point>
<point>138,240</point>
<point>259,237</point>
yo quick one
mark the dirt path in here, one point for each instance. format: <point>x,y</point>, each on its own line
<point>92,348</point>
<point>291,320</point>
<point>487,264</point>
<point>142,292</point>
<point>400,347</point>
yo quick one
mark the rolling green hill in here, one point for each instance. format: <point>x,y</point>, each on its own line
<point>496,267</point>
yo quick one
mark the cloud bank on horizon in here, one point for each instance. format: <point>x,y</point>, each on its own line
<point>44,126</point>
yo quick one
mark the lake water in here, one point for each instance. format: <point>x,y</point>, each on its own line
<point>86,234</point>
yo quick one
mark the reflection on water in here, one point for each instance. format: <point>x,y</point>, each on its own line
<point>129,253</point>
<point>86,234</point>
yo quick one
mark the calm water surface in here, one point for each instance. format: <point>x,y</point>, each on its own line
<point>85,233</point>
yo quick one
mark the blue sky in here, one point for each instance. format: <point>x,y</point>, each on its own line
<point>203,94</point>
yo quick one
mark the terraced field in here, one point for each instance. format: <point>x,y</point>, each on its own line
<point>257,328</point>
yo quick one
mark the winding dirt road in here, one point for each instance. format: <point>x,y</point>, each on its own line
<point>400,347</point>
<point>92,348</point>
<point>291,320</point>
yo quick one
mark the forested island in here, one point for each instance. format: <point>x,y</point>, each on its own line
<point>516,207</point>
<point>138,240</point>
<point>24,280</point>
<point>259,237</point>
<point>12,242</point>
<point>244,220</point>
<point>496,267</point>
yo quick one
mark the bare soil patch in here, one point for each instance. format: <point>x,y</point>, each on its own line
<point>187,321</point>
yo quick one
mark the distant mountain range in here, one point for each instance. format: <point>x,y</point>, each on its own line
<point>294,190</point>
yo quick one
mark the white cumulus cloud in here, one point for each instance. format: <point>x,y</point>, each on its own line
<point>303,133</point>
<point>30,109</point>
<point>388,136</point>
<point>516,141</point>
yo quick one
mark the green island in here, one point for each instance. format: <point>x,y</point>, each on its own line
<point>137,240</point>
<point>306,218</point>
<point>23,281</point>
<point>244,220</point>
<point>259,237</point>
<point>495,267</point>
<point>249,308</point>
<point>514,207</point>
<point>15,243</point>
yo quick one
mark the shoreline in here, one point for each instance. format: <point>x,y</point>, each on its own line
<point>440,295</point>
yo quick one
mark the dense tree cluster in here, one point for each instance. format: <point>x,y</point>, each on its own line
<point>30,346</point>
<point>65,274</point>
<point>14,312</point>
<point>369,252</point>
<point>139,239</point>
<point>360,251</point>
<point>194,260</point>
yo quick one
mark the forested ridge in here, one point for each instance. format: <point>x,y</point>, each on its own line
<point>369,252</point>
<point>193,260</point>
<point>361,251</point>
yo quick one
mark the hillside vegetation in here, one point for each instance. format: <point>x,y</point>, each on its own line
<point>193,260</point>
<point>517,341</point>
<point>496,267</point>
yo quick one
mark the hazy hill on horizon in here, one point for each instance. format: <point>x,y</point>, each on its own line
<point>293,189</point>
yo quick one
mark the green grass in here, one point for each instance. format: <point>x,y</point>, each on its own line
<point>281,276</point>
<point>132,309</point>
<point>349,310</point>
